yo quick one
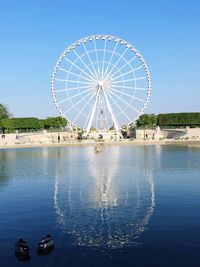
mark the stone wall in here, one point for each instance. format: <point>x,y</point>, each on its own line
<point>159,134</point>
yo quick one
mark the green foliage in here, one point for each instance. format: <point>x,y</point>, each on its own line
<point>4,112</point>
<point>179,119</point>
<point>10,124</point>
<point>149,120</point>
<point>57,122</point>
<point>21,123</point>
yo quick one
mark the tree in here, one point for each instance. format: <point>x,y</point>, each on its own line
<point>149,120</point>
<point>11,124</point>
<point>4,112</point>
<point>57,122</point>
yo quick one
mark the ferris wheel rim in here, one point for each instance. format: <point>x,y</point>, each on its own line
<point>85,40</point>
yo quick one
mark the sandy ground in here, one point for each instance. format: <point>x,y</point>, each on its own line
<point>5,145</point>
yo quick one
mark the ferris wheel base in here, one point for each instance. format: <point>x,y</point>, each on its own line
<point>105,135</point>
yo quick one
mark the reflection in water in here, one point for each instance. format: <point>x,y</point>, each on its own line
<point>111,204</point>
<point>103,168</point>
<point>4,171</point>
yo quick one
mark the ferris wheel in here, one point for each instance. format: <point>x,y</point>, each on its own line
<point>101,82</point>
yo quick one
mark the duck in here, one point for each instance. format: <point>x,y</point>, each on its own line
<point>45,245</point>
<point>22,250</point>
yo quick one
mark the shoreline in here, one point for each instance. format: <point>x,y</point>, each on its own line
<point>195,143</point>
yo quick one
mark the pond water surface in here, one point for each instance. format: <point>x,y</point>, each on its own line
<point>125,206</point>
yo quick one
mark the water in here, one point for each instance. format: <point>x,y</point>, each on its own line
<point>126,206</point>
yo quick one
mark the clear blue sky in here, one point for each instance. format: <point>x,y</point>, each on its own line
<point>35,32</point>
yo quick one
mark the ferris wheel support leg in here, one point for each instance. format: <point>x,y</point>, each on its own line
<point>111,112</point>
<point>92,114</point>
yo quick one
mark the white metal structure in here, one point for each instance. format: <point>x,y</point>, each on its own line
<point>101,81</point>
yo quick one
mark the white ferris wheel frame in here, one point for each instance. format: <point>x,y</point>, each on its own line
<point>93,80</point>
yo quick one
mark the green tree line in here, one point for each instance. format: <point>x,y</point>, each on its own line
<point>9,124</point>
<point>23,124</point>
<point>191,119</point>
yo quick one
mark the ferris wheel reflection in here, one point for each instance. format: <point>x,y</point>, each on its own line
<point>110,205</point>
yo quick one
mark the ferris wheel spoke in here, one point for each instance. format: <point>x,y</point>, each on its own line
<point>77,103</point>
<point>122,111</point>
<point>124,74</point>
<point>132,96</point>
<point>73,81</point>
<point>110,60</point>
<point>116,62</point>
<point>71,97</point>
<point>82,71</point>
<point>84,64</point>
<point>122,100</point>
<point>77,116</point>
<point>104,53</point>
<point>75,74</point>
<point>130,87</point>
<point>127,63</point>
<point>97,59</point>
<point>129,80</point>
<point>92,64</point>
<point>72,88</point>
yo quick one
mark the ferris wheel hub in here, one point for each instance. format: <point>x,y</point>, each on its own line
<point>101,83</point>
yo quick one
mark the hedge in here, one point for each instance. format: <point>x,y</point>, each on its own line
<point>179,119</point>
<point>11,124</point>
<point>21,123</point>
